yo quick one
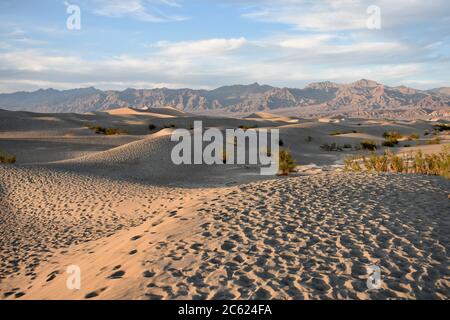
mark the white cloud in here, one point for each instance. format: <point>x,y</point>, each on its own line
<point>147,11</point>
<point>341,15</point>
<point>201,47</point>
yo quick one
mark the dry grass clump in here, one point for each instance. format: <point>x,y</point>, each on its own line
<point>107,131</point>
<point>247,127</point>
<point>369,145</point>
<point>441,127</point>
<point>331,147</point>
<point>390,142</point>
<point>7,158</point>
<point>392,135</point>
<point>413,137</point>
<point>336,133</point>
<point>286,162</point>
<point>431,164</point>
<point>435,140</point>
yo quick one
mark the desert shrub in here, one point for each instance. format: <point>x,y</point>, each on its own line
<point>352,164</point>
<point>246,127</point>
<point>286,162</point>
<point>336,133</point>
<point>377,163</point>
<point>107,131</point>
<point>114,131</point>
<point>281,143</point>
<point>435,140</point>
<point>308,139</point>
<point>390,142</point>
<point>397,163</point>
<point>413,136</point>
<point>426,133</point>
<point>151,127</point>
<point>7,158</point>
<point>392,135</point>
<point>368,145</point>
<point>331,147</point>
<point>431,164</point>
<point>224,155</point>
<point>98,129</point>
<point>406,146</point>
<point>441,127</point>
<point>347,146</point>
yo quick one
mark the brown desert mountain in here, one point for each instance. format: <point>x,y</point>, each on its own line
<point>363,98</point>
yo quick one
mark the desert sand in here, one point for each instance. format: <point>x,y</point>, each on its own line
<point>140,227</point>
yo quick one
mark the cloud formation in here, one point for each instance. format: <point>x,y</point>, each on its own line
<point>310,43</point>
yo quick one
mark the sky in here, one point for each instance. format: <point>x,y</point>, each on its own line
<point>121,44</point>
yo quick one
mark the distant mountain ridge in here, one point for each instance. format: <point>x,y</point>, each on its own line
<point>363,98</point>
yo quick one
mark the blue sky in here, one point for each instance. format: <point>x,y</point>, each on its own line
<point>206,44</point>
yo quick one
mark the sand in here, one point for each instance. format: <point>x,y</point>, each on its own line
<point>141,228</point>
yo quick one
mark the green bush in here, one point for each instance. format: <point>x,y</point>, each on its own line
<point>368,145</point>
<point>286,162</point>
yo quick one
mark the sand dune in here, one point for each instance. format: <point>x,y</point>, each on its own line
<point>140,227</point>
<point>284,238</point>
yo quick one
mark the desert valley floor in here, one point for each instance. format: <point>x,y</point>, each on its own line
<point>140,227</point>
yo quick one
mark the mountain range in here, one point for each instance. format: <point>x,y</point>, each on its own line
<point>363,98</point>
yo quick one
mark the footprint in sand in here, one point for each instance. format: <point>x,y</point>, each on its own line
<point>117,275</point>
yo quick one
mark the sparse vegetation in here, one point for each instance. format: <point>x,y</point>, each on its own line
<point>369,145</point>
<point>431,164</point>
<point>151,127</point>
<point>336,133</point>
<point>107,131</point>
<point>435,140</point>
<point>331,147</point>
<point>390,142</point>
<point>281,143</point>
<point>392,135</point>
<point>246,127</point>
<point>224,155</point>
<point>413,137</point>
<point>441,127</point>
<point>7,158</point>
<point>286,162</point>
<point>309,139</point>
